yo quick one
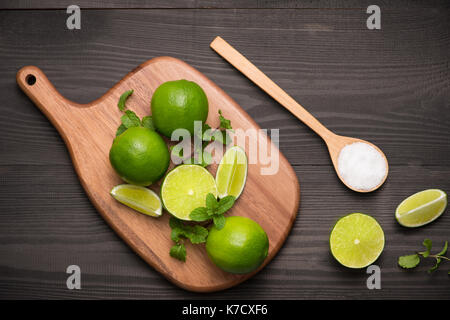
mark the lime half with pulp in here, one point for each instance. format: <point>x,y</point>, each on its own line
<point>185,188</point>
<point>421,208</point>
<point>232,172</point>
<point>138,198</point>
<point>356,240</point>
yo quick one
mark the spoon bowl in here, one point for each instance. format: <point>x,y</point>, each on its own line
<point>334,142</point>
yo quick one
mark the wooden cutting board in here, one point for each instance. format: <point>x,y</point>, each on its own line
<point>88,131</point>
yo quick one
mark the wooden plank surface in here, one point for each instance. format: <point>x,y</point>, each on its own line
<point>390,87</point>
<point>215,4</point>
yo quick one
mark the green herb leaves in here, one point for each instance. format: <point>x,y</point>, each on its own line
<point>147,122</point>
<point>204,136</point>
<point>196,234</point>
<point>123,98</point>
<point>428,244</point>
<point>130,119</point>
<point>178,251</point>
<point>224,123</point>
<point>413,260</point>
<point>213,210</point>
<point>408,262</point>
<point>121,129</point>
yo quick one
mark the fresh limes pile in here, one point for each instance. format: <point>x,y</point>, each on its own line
<point>188,192</point>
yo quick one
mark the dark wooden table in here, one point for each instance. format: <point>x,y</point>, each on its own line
<point>388,86</point>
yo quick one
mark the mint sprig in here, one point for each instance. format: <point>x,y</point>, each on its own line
<point>180,231</point>
<point>130,119</point>
<point>206,135</point>
<point>213,210</point>
<point>413,260</point>
<point>224,123</point>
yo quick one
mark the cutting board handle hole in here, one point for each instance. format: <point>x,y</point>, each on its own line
<point>30,79</point>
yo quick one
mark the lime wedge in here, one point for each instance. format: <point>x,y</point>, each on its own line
<point>356,240</point>
<point>185,188</point>
<point>421,208</point>
<point>232,172</point>
<point>138,198</point>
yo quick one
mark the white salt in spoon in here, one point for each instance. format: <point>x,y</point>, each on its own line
<point>360,165</point>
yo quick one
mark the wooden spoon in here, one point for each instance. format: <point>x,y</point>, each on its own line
<point>334,142</point>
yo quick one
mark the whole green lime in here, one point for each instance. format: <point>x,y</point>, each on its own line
<point>139,156</point>
<point>177,104</point>
<point>239,247</point>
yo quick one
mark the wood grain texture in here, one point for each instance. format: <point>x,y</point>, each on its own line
<point>216,4</point>
<point>89,129</point>
<point>390,87</point>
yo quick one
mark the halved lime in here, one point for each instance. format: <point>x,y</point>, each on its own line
<point>138,198</point>
<point>356,240</point>
<point>185,188</point>
<point>232,172</point>
<point>421,208</point>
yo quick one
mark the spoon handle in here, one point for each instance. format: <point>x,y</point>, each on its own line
<point>241,63</point>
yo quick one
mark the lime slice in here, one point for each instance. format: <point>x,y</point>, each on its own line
<point>356,240</point>
<point>232,172</point>
<point>421,208</point>
<point>138,198</point>
<point>185,188</point>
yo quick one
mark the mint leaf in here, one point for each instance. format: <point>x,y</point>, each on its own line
<point>211,201</point>
<point>123,98</point>
<point>443,251</point>
<point>219,221</point>
<point>427,243</point>
<point>178,251</point>
<point>210,212</point>
<point>198,234</point>
<point>121,129</point>
<point>224,123</point>
<point>438,258</point>
<point>434,268</point>
<point>175,223</point>
<point>130,119</point>
<point>199,214</point>
<point>147,122</point>
<point>225,204</point>
<point>408,262</point>
<point>176,234</point>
